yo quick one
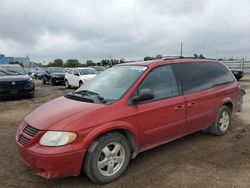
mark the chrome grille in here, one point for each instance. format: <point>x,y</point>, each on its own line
<point>13,85</point>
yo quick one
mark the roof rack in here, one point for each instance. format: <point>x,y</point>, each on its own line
<point>182,57</point>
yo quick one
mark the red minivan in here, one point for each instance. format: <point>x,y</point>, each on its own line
<point>123,111</point>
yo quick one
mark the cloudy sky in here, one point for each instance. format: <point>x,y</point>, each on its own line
<point>132,29</point>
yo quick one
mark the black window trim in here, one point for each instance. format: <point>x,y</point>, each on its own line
<point>179,88</point>
<point>187,93</point>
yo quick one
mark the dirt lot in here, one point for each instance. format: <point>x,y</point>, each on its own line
<point>198,160</point>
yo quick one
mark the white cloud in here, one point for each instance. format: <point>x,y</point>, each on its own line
<point>92,29</point>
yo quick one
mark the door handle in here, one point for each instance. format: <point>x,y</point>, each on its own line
<point>189,105</point>
<point>179,108</point>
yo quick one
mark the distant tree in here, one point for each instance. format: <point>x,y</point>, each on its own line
<point>58,62</point>
<point>72,63</point>
<point>55,63</point>
<point>122,60</point>
<point>159,56</point>
<point>148,58</point>
<point>114,61</point>
<point>201,56</point>
<point>90,63</point>
<point>196,56</point>
<point>105,62</point>
<point>16,62</point>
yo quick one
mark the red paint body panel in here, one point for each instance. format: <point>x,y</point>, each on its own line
<point>150,123</point>
<point>161,121</point>
<point>55,165</point>
<point>201,110</point>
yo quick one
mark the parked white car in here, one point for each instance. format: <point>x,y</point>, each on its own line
<point>78,76</point>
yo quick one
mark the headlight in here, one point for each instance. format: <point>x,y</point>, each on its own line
<point>57,138</point>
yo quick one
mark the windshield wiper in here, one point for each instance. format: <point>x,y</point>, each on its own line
<point>90,94</point>
<point>15,72</point>
<point>6,73</point>
<point>73,95</point>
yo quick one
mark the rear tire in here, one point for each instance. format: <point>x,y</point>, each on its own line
<point>107,158</point>
<point>31,95</point>
<point>67,84</point>
<point>80,83</point>
<point>223,122</point>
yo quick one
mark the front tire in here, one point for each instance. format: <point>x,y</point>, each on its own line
<point>223,122</point>
<point>44,81</point>
<point>51,82</point>
<point>107,158</point>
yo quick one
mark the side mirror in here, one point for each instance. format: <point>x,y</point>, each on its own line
<point>144,94</point>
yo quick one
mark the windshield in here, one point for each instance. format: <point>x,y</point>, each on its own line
<point>87,71</point>
<point>56,70</point>
<point>99,68</point>
<point>112,83</point>
<point>11,70</point>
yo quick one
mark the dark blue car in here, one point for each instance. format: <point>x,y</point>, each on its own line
<point>15,82</point>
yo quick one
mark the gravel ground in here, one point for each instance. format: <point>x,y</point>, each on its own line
<point>197,160</point>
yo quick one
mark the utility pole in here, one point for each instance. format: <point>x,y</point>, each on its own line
<point>181,48</point>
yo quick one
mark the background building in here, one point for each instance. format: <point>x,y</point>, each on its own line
<point>6,60</point>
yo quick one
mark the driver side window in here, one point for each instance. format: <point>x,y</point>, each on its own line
<point>162,81</point>
<point>76,73</point>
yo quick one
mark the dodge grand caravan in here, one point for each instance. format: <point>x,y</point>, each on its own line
<point>126,110</point>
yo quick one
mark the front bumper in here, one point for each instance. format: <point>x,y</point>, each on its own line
<point>22,88</point>
<point>59,80</point>
<point>16,92</point>
<point>49,165</point>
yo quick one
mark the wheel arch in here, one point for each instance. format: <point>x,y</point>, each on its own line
<point>125,129</point>
<point>229,103</point>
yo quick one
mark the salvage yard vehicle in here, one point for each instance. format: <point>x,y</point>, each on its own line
<point>125,110</point>
<point>53,75</point>
<point>79,76</point>
<point>15,82</point>
<point>237,73</point>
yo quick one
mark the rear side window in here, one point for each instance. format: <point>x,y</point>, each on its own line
<point>201,76</point>
<point>162,81</point>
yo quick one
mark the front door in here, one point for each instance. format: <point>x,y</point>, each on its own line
<point>163,118</point>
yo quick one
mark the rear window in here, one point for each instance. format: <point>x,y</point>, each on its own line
<point>201,76</point>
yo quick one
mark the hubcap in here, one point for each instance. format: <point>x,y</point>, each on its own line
<point>224,121</point>
<point>111,159</point>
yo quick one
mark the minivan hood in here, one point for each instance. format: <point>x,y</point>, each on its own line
<point>60,112</point>
<point>14,78</point>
